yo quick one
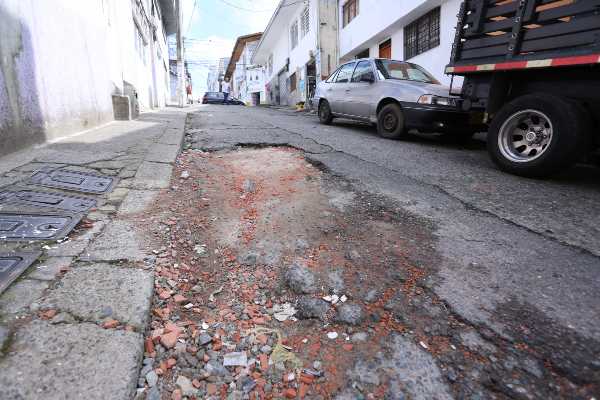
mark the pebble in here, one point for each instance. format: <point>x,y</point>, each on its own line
<point>215,368</point>
<point>266,349</point>
<point>300,279</point>
<point>153,394</point>
<point>312,308</point>
<point>350,314</point>
<point>359,337</point>
<point>151,378</point>
<point>204,338</point>
<point>145,370</point>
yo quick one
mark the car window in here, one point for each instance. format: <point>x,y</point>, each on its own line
<point>333,76</point>
<point>345,72</point>
<point>220,95</point>
<point>391,69</point>
<point>363,68</point>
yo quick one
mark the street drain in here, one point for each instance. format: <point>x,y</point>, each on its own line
<point>15,226</point>
<point>13,264</point>
<point>72,180</point>
<point>38,198</point>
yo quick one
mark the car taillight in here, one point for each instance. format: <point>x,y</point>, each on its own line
<point>204,98</point>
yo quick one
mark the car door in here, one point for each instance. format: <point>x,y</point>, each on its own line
<point>358,92</point>
<point>337,89</point>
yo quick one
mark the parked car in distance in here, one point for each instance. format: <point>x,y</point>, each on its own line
<point>395,96</point>
<point>217,98</point>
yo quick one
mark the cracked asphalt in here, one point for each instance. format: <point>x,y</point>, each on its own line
<point>512,253</point>
<point>538,240</point>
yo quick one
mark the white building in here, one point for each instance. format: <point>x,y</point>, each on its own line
<point>247,79</point>
<point>137,47</point>
<point>62,60</point>
<point>298,48</point>
<point>419,31</point>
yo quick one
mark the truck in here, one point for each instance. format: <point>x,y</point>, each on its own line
<point>531,73</point>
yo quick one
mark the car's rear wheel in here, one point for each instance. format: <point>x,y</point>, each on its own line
<point>325,115</point>
<point>390,122</point>
<point>538,135</point>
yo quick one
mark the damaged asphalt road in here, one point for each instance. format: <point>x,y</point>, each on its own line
<point>414,269</point>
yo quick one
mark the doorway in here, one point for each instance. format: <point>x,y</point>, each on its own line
<point>282,89</point>
<point>385,49</point>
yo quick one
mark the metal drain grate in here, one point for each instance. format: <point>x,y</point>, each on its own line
<point>13,264</point>
<point>72,180</point>
<point>38,198</point>
<point>22,227</point>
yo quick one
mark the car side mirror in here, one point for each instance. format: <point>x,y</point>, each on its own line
<point>368,77</point>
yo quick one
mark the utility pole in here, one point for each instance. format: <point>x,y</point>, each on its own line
<point>180,59</point>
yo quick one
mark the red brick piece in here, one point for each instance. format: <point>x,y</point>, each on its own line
<point>178,299</point>
<point>264,362</point>
<point>164,295</point>
<point>110,324</point>
<point>302,391</point>
<point>168,340</point>
<point>290,393</point>
<point>211,388</point>
<point>176,395</point>
<point>149,345</point>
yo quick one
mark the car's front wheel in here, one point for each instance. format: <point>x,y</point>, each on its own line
<point>390,122</point>
<point>325,115</point>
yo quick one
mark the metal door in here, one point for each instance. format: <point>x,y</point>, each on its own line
<point>358,93</point>
<point>282,89</point>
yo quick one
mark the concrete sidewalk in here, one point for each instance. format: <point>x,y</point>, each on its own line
<point>52,318</point>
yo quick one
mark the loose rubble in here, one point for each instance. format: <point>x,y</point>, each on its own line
<point>265,289</point>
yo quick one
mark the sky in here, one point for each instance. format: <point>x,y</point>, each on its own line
<point>211,27</point>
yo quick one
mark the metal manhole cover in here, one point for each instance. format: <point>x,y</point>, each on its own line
<point>72,180</point>
<point>13,264</point>
<point>22,227</point>
<point>39,198</point>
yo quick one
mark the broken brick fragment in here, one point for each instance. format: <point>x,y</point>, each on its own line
<point>110,324</point>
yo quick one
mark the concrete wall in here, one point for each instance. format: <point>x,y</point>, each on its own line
<point>54,77</point>
<point>379,20</point>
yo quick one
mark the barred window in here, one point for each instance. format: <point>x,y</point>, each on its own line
<point>349,11</point>
<point>422,35</point>
<point>304,22</point>
<point>293,82</point>
<point>294,34</point>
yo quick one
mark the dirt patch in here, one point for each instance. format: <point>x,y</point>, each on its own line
<point>243,234</point>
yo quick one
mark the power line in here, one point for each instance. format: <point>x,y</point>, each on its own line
<point>244,9</point>
<point>221,19</point>
<point>191,16</point>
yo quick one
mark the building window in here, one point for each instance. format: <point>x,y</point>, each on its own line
<point>363,54</point>
<point>350,11</point>
<point>422,35</point>
<point>304,22</point>
<point>293,82</point>
<point>294,34</point>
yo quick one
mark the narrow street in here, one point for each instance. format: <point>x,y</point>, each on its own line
<point>409,269</point>
<point>272,244</point>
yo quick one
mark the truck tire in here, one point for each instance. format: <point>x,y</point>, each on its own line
<point>325,115</point>
<point>390,122</point>
<point>539,134</point>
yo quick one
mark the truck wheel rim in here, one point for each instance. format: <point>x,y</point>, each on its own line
<point>525,136</point>
<point>390,121</point>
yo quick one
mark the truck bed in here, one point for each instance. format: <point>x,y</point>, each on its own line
<point>495,35</point>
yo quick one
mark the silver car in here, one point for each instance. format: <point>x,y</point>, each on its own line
<point>395,96</point>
